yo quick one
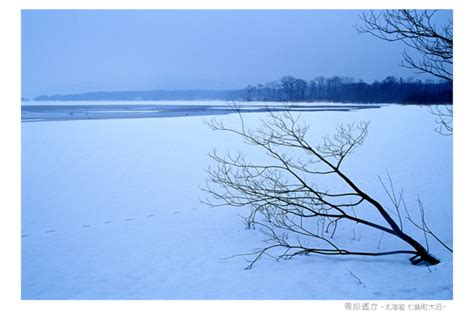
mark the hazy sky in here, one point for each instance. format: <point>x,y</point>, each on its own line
<point>78,51</point>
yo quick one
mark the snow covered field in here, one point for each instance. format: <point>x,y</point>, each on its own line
<point>111,210</point>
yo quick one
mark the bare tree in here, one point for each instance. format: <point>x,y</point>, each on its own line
<point>296,214</point>
<point>418,31</point>
<point>444,119</point>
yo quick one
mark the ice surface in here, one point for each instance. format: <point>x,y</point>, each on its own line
<point>90,110</point>
<point>110,210</point>
<point>178,103</point>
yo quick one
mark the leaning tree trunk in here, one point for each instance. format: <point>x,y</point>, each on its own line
<point>422,255</point>
<point>282,192</point>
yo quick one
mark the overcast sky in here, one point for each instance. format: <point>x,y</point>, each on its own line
<point>79,51</point>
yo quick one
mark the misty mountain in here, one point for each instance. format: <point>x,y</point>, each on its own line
<point>153,95</point>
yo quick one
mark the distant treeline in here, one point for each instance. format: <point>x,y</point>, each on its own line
<point>346,89</point>
<point>333,89</point>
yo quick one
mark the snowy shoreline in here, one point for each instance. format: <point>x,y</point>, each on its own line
<point>191,103</point>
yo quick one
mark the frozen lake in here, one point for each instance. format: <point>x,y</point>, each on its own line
<point>111,210</point>
<point>82,110</point>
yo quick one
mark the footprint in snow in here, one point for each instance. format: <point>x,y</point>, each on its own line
<point>129,219</point>
<point>50,231</point>
<point>107,222</point>
<point>150,215</point>
<point>85,226</point>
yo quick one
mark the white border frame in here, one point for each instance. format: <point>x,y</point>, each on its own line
<point>11,304</point>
